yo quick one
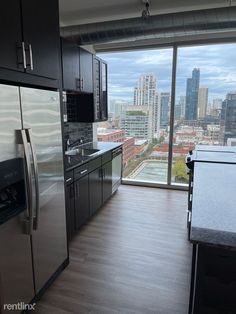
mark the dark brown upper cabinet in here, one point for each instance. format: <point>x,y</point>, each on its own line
<point>93,107</point>
<point>77,68</point>
<point>100,89</point>
<point>103,97</point>
<point>29,36</point>
<point>41,36</point>
<point>10,35</point>
<point>86,71</point>
<point>70,66</point>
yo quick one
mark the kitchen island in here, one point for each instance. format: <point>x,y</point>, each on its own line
<point>213,232</point>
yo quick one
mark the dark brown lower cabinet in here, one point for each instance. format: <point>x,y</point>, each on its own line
<point>70,210</point>
<point>213,282</point>
<point>95,190</point>
<point>106,181</point>
<point>81,187</point>
<point>88,187</point>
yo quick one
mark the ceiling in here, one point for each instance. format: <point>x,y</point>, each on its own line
<point>77,12</point>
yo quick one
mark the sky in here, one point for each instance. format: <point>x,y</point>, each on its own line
<point>217,65</point>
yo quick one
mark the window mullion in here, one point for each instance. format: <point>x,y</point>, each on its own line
<point>172,113</point>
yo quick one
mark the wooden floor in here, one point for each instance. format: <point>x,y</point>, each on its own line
<point>133,257</point>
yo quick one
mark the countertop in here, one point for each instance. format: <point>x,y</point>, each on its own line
<point>220,154</point>
<point>72,162</point>
<point>214,204</point>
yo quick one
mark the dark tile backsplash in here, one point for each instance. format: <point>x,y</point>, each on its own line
<point>77,130</point>
<point>74,131</point>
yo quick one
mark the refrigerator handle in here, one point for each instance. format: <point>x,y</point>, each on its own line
<point>31,58</point>
<point>36,174</point>
<point>29,220</point>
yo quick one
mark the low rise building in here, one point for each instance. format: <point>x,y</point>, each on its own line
<point>140,146</point>
<point>110,135</point>
<point>118,136</point>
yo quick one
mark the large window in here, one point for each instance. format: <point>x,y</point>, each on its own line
<point>205,103</point>
<point>139,105</point>
<point>204,108</point>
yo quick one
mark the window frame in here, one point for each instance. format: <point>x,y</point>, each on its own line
<point>175,46</point>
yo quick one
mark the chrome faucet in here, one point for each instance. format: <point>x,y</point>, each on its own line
<point>71,144</point>
<point>81,140</point>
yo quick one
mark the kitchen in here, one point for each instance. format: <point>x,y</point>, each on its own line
<point>74,239</point>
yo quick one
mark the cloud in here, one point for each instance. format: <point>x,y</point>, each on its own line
<point>161,57</point>
<point>217,65</point>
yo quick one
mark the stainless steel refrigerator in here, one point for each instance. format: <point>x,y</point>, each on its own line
<point>33,242</point>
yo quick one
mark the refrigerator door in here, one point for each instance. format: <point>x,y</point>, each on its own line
<point>41,113</point>
<point>16,274</point>
<point>10,120</point>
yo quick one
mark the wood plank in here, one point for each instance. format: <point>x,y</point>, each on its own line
<point>133,257</point>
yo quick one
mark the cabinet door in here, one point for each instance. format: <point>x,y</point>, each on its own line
<point>41,37</point>
<point>10,35</point>
<point>70,65</point>
<point>81,201</point>
<point>97,89</point>
<point>86,71</point>
<point>95,190</point>
<point>103,102</point>
<point>70,210</point>
<point>107,181</point>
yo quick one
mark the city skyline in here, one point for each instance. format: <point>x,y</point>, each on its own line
<point>194,89</point>
<point>218,73</point>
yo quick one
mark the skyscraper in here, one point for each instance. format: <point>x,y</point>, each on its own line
<point>164,109</point>
<point>217,103</point>
<point>115,107</point>
<point>182,104</point>
<point>146,95</point>
<point>228,118</point>
<point>202,102</point>
<point>192,95</point>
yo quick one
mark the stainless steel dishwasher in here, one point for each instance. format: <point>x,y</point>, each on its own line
<point>116,168</point>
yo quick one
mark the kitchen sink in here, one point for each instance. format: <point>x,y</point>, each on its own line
<point>81,152</point>
<point>89,151</point>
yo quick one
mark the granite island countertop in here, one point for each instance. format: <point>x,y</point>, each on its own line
<point>218,154</point>
<point>72,162</point>
<point>214,204</point>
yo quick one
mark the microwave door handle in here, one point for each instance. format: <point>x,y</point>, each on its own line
<point>29,219</point>
<point>36,174</point>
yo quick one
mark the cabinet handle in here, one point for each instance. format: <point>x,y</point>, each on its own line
<point>68,180</point>
<point>84,171</point>
<point>31,58</point>
<point>76,191</point>
<point>82,83</point>
<point>24,55</point>
<point>77,83</point>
